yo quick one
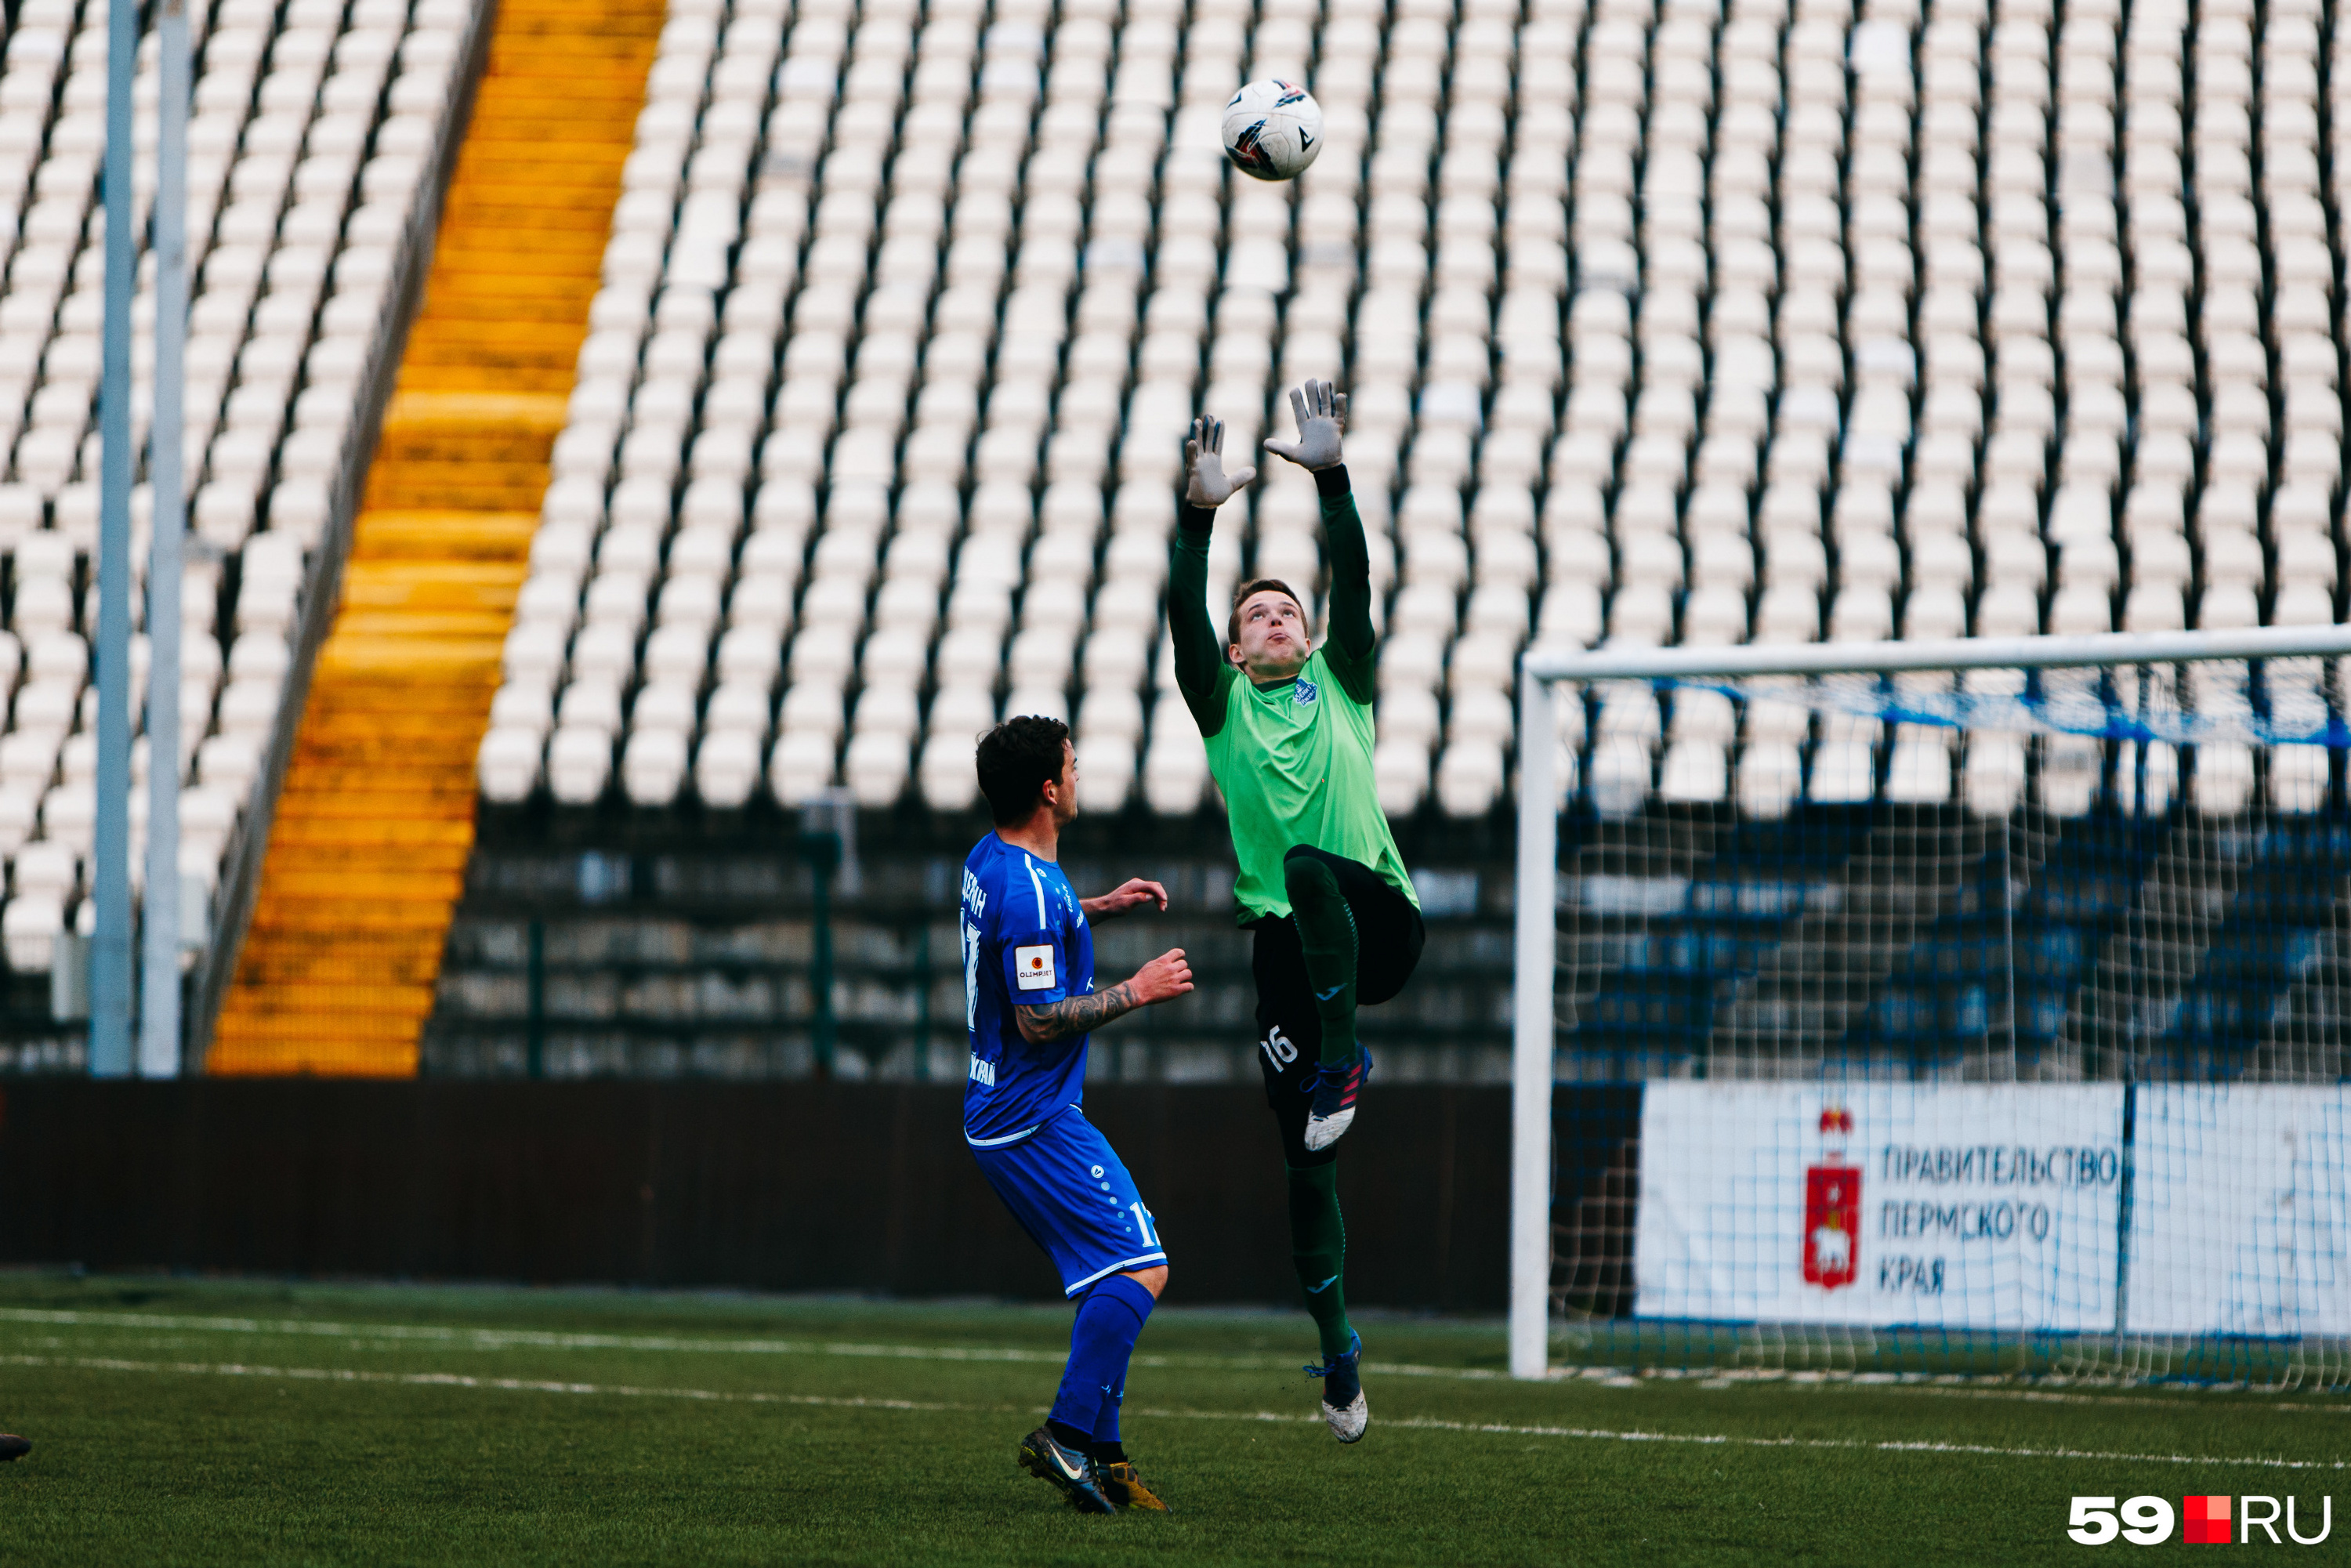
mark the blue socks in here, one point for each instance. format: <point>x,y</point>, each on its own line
<point>1110,1318</point>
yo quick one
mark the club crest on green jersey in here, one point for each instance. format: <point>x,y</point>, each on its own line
<point>1305,692</point>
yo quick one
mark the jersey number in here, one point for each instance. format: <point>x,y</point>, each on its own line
<point>1143,1223</point>
<point>1277,1048</point>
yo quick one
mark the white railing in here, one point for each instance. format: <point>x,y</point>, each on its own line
<point>249,846</point>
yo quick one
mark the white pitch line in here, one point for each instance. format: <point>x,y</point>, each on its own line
<point>1991,1387</point>
<point>1978,1450</point>
<point>540,1339</point>
<point>1412,1424</point>
<point>466,1380</point>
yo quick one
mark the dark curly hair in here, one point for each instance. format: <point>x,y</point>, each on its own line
<point>1017,759</point>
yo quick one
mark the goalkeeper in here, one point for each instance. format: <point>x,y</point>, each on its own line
<point>1336,921</point>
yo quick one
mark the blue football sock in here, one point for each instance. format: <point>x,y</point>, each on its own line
<point>1106,1422</point>
<point>1110,1318</point>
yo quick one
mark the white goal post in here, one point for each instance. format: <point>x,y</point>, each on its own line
<point>1536,955</point>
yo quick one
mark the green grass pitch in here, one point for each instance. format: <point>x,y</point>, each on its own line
<point>188,1422</point>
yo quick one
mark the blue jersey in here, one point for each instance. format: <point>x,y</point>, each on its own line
<point>1025,943</point>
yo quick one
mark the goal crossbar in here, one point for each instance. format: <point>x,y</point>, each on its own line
<point>1535,958</point>
<point>2105,650</point>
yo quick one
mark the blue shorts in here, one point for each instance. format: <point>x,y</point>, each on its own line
<point>1070,1192</point>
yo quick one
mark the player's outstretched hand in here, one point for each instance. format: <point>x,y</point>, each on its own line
<point>1163,978</point>
<point>1132,894</point>
<point>1205,482</point>
<point>1321,413</point>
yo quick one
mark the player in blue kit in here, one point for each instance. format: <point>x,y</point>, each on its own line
<point>1030,1003</point>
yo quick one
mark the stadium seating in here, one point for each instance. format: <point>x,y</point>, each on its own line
<point>878,433</point>
<point>1918,417</point>
<point>373,824</point>
<point>313,129</point>
<point>1661,323</point>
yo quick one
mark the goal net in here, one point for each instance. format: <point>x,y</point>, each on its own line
<point>1933,1009</point>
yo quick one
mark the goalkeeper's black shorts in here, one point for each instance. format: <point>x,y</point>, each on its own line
<point>1389,936</point>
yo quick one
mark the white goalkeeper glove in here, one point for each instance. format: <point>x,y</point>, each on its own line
<point>1321,413</point>
<point>1206,482</point>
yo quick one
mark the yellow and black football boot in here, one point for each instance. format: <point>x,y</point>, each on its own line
<point>1123,1486</point>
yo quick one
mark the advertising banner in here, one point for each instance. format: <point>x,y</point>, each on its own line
<point>1962,1206</point>
<point>2240,1211</point>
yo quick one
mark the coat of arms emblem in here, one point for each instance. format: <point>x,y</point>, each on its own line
<point>1833,1208</point>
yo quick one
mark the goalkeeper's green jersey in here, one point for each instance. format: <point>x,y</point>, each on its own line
<point>1293,757</point>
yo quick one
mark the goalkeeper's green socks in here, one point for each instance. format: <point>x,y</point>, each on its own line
<point>1326,938</point>
<point>1318,1246</point>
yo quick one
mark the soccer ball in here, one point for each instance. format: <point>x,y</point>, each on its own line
<point>1272,129</point>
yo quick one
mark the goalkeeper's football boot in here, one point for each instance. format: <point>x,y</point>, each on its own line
<point>1074,1473</point>
<point>13,1447</point>
<point>1123,1486</point>
<point>1335,1089</point>
<point>1342,1391</point>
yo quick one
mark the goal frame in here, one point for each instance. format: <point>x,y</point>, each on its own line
<point>1535,956</point>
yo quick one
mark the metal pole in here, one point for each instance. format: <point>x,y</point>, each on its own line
<point>923,999</point>
<point>535,984</point>
<point>823,852</point>
<point>2124,1198</point>
<point>159,1013</point>
<point>109,1023</point>
<point>1530,1032</point>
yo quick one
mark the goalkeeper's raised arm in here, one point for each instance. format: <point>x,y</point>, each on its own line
<point>1321,416</point>
<point>1266,637</point>
<point>1202,672</point>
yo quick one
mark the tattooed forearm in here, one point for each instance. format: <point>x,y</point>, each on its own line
<point>1077,1015</point>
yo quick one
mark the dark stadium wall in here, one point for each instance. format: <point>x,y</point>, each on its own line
<point>768,1185</point>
